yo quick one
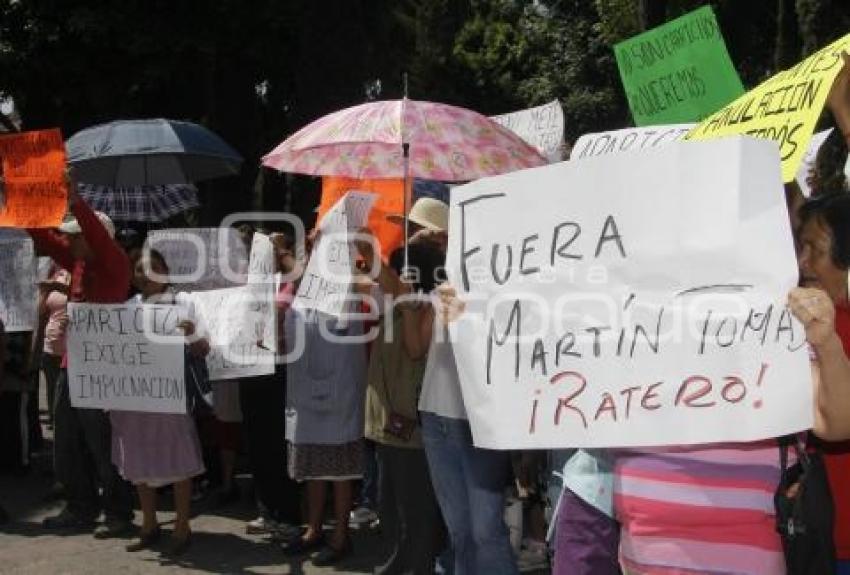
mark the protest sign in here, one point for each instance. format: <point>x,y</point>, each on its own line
<point>202,258</point>
<point>542,127</point>
<point>591,322</point>
<point>327,280</point>
<point>807,164</point>
<point>33,174</point>
<point>627,139</point>
<point>43,265</point>
<point>126,357</point>
<point>261,281</point>
<point>17,283</point>
<point>784,108</point>
<point>235,320</point>
<point>679,71</point>
<point>389,200</point>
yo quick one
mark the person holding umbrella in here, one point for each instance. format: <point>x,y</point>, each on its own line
<point>100,273</point>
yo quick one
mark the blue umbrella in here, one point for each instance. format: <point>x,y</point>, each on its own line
<point>149,152</point>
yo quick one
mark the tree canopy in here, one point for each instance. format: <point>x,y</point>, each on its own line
<point>256,71</point>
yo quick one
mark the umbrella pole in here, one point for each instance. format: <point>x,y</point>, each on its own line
<point>406,159</point>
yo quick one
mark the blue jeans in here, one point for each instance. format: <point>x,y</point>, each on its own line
<point>842,567</point>
<point>470,486</point>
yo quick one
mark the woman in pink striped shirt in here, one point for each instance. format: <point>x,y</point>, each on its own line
<point>709,509</point>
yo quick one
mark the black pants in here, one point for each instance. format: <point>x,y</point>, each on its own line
<point>50,365</point>
<point>410,515</point>
<point>14,452</point>
<point>83,460</point>
<point>263,401</point>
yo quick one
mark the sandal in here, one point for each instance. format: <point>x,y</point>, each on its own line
<point>146,541</point>
<point>330,555</point>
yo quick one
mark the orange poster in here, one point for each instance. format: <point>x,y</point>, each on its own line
<point>390,201</point>
<point>35,194</point>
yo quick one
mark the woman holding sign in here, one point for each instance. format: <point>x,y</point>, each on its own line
<point>824,265</point>
<point>710,508</point>
<point>152,450</point>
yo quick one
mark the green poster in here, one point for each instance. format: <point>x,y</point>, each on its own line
<point>678,72</point>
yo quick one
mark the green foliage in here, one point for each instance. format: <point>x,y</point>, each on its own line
<point>77,63</point>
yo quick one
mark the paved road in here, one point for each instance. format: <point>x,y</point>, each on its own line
<point>220,544</point>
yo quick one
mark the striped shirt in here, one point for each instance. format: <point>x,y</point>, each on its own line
<point>699,510</point>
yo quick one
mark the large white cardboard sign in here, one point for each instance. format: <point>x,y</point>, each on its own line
<point>17,283</point>
<point>126,357</point>
<point>630,300</point>
<point>326,284</point>
<point>627,140</point>
<point>201,258</point>
<point>542,127</point>
<point>240,322</point>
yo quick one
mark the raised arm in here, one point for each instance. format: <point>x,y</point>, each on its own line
<point>385,277</point>
<point>830,367</point>
<point>92,229</point>
<point>52,244</point>
<point>417,326</point>
<point>838,100</point>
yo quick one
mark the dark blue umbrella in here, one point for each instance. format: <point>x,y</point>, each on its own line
<point>149,152</point>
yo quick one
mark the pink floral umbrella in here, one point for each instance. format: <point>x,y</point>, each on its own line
<point>444,142</point>
<point>404,139</point>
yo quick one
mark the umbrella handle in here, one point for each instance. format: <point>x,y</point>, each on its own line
<point>405,271</point>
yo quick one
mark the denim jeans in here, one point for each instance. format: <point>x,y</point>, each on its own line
<point>470,486</point>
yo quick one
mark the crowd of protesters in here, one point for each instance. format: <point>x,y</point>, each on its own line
<point>342,419</point>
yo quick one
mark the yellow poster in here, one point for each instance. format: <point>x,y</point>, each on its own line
<point>784,108</point>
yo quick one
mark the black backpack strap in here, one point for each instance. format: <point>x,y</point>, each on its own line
<point>784,441</point>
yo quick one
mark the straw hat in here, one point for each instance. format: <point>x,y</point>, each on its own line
<point>428,213</point>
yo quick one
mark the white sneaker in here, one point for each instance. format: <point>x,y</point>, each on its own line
<point>362,517</point>
<point>260,526</point>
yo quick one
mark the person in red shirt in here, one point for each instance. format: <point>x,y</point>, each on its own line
<point>100,273</point>
<point>824,238</point>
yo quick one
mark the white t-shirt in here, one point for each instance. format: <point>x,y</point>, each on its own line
<point>441,393</point>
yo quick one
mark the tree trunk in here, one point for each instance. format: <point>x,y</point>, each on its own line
<point>788,44</point>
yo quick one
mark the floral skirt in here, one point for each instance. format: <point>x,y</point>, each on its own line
<point>325,462</point>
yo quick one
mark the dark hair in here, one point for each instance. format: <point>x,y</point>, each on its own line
<point>833,210</point>
<point>428,262</point>
<point>157,257</point>
<point>286,240</point>
<point>128,239</point>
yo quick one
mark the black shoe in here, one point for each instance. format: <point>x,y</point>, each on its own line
<point>67,520</point>
<point>229,497</point>
<point>299,546</point>
<point>4,515</point>
<point>112,528</point>
<point>145,541</point>
<point>178,547</point>
<point>330,555</point>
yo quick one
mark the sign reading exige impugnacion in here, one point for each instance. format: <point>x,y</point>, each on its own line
<point>630,300</point>
<point>126,357</point>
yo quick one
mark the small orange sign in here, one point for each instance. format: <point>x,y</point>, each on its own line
<point>35,194</point>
